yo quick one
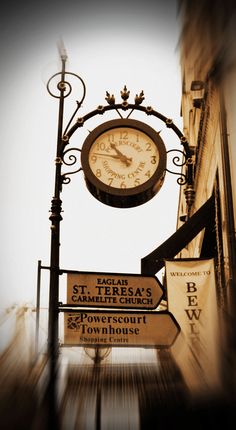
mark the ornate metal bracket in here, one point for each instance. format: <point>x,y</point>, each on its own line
<point>68,156</point>
<point>182,179</point>
<point>65,88</point>
<point>70,159</point>
<point>124,106</point>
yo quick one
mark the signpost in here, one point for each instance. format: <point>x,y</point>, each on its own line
<point>111,328</point>
<point>108,290</point>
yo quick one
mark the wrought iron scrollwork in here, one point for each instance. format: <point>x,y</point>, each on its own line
<point>182,179</point>
<point>69,158</point>
<point>61,86</point>
<point>65,86</point>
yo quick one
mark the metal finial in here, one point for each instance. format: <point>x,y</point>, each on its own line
<point>125,93</point>
<point>139,98</point>
<point>110,98</point>
<point>62,50</point>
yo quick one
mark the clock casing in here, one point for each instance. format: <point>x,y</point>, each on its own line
<point>124,162</point>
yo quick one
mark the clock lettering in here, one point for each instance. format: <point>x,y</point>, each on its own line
<point>101,146</point>
<point>110,137</point>
<point>135,146</point>
<point>111,172</point>
<point>153,159</point>
<point>123,135</point>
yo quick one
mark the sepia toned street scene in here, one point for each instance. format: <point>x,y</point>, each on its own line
<point>118,191</point>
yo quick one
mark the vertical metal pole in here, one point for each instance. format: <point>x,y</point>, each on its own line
<point>37,309</point>
<point>97,380</point>
<point>55,218</point>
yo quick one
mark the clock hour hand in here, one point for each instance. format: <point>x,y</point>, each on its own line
<point>121,156</point>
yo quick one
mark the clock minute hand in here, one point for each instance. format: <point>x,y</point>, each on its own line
<point>122,157</point>
<point>106,155</point>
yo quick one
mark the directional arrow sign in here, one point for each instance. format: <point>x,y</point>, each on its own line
<point>111,328</point>
<point>108,290</point>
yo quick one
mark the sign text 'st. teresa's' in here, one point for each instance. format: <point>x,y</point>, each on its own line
<point>113,290</point>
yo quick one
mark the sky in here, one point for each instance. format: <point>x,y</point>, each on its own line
<point>109,45</point>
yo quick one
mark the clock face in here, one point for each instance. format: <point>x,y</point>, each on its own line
<point>123,157</point>
<point>124,162</point>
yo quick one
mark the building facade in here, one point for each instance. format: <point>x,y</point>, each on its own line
<point>208,109</point>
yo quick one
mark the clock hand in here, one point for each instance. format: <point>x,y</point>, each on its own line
<point>122,157</point>
<point>106,155</point>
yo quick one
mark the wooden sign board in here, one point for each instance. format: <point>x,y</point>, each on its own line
<point>110,328</point>
<point>108,290</point>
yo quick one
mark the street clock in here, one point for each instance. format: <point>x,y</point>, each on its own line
<point>124,162</point>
